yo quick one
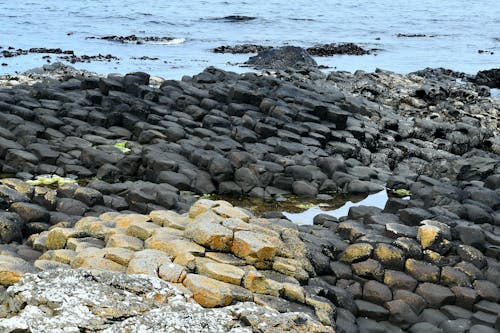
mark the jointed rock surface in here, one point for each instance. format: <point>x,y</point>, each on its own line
<point>131,248</point>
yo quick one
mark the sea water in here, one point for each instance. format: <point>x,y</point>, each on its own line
<point>454,32</point>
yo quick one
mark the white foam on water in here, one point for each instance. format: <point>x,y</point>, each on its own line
<point>175,41</point>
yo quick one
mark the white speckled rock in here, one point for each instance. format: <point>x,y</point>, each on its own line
<point>113,302</point>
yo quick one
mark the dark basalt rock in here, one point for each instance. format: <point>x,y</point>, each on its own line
<point>11,227</point>
<point>267,135</point>
<point>490,78</point>
<point>282,58</point>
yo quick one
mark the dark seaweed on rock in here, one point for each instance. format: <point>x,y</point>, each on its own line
<point>53,51</point>
<point>145,58</point>
<point>235,18</point>
<point>241,48</point>
<point>87,59</point>
<point>401,35</point>
<point>13,53</point>
<point>486,52</point>
<point>135,39</point>
<point>331,49</point>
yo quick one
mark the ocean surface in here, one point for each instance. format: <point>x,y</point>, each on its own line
<point>455,30</point>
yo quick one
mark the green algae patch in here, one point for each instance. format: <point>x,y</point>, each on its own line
<point>401,192</point>
<point>305,205</point>
<point>122,146</point>
<point>51,181</point>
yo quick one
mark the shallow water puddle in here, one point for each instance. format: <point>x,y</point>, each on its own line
<point>303,210</point>
<point>378,199</point>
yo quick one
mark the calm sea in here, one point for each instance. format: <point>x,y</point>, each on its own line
<point>459,28</point>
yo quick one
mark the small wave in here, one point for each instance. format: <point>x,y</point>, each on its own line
<point>233,18</point>
<point>174,41</point>
<point>301,19</point>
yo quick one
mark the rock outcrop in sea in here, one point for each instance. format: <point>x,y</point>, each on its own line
<point>101,209</point>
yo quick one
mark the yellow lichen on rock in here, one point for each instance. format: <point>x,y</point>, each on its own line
<point>356,252</point>
<point>251,244</point>
<point>208,292</point>
<point>200,207</point>
<point>428,235</point>
<point>222,272</point>
<point>210,234</point>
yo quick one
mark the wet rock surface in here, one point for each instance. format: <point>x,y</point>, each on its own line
<point>101,174</point>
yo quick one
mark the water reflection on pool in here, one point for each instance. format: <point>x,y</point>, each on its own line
<point>303,210</point>
<point>378,199</point>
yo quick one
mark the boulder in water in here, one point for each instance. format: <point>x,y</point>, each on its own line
<point>490,78</point>
<point>282,58</point>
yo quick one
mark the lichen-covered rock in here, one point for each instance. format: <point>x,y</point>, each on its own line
<point>471,254</point>
<point>161,237</point>
<point>102,264</point>
<point>389,256</point>
<point>226,210</point>
<point>125,241</point>
<point>177,247</point>
<point>12,269</point>
<point>258,283</point>
<point>147,262</point>
<point>171,272</point>
<point>64,300</point>
<point>141,229</point>
<point>429,235</point>
<point>125,220</point>
<point>200,207</point>
<point>251,244</point>
<point>57,237</point>
<point>222,272</point>
<point>210,234</point>
<point>356,252</point>
<point>119,255</point>
<point>422,271</point>
<point>211,293</point>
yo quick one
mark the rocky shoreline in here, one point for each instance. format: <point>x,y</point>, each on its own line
<point>132,155</point>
